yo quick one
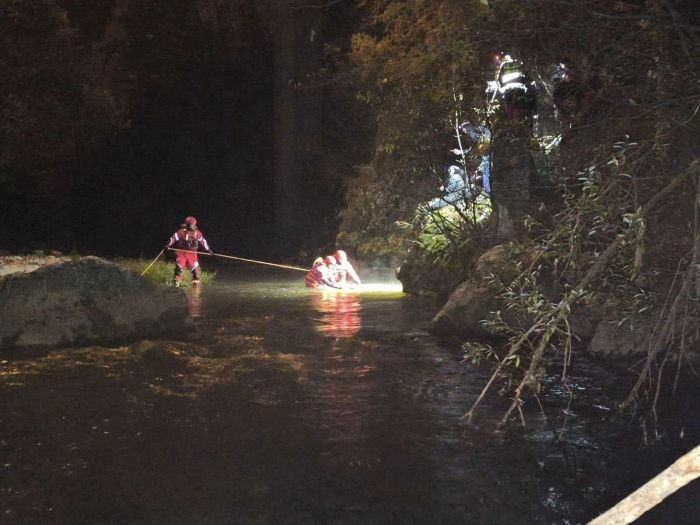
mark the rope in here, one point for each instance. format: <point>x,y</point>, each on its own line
<point>242,259</point>
<point>154,261</point>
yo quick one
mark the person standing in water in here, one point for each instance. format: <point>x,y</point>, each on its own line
<point>322,274</point>
<point>190,239</point>
<point>343,269</point>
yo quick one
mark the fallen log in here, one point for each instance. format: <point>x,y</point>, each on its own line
<point>646,497</point>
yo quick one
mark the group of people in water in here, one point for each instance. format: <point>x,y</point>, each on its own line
<point>332,271</point>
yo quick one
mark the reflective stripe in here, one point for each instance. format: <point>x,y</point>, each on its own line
<point>509,77</point>
<point>513,85</point>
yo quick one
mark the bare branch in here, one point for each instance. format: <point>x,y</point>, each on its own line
<point>682,472</point>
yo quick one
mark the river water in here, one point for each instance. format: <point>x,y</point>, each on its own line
<point>380,411</point>
<point>304,406</point>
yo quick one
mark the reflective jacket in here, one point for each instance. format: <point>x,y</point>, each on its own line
<point>343,270</point>
<point>320,275</point>
<point>511,76</point>
<point>184,239</point>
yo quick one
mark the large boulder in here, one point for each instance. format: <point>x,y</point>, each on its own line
<point>614,339</point>
<point>468,305</point>
<point>86,302</point>
<point>420,275</point>
<point>476,298</point>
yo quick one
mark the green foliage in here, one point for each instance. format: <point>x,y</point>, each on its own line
<point>591,259</point>
<point>474,352</point>
<point>409,64</point>
<point>442,229</point>
<point>406,65</point>
<point>592,214</point>
<point>439,233</point>
<point>420,66</point>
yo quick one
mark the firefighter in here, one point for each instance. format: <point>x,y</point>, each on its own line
<point>322,274</point>
<point>191,239</point>
<point>344,269</point>
<point>514,90</point>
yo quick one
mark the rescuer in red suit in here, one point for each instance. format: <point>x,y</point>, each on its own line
<point>321,274</point>
<point>189,238</point>
<point>343,269</point>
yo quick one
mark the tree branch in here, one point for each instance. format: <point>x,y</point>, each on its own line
<point>546,324</point>
<point>682,472</point>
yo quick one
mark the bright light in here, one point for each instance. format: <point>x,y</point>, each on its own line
<point>380,287</point>
<point>367,288</point>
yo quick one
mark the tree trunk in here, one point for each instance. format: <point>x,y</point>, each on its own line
<point>682,472</point>
<point>298,50</point>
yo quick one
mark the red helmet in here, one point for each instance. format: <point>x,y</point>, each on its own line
<point>190,220</point>
<point>329,260</point>
<point>340,256</point>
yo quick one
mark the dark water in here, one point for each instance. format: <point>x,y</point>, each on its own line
<point>298,406</point>
<point>380,414</point>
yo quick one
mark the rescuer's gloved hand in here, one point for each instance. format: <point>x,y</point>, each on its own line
<point>209,252</point>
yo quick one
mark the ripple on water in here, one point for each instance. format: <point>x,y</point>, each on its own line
<point>382,402</point>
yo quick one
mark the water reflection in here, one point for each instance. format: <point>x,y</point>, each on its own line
<point>194,302</point>
<point>340,312</point>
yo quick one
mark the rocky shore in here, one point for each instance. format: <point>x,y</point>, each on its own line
<point>62,301</point>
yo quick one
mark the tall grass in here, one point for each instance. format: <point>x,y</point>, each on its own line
<point>162,271</point>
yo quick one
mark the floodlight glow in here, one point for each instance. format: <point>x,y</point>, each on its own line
<point>381,287</point>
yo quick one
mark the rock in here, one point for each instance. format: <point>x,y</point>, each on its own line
<point>585,318</point>
<point>467,306</point>
<point>476,298</point>
<point>610,339</point>
<point>420,275</point>
<point>90,301</point>
<point>28,263</point>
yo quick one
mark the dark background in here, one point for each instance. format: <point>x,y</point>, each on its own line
<point>123,117</point>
